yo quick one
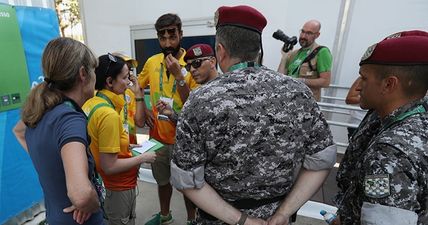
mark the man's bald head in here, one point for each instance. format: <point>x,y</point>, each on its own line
<point>310,31</point>
<point>313,24</point>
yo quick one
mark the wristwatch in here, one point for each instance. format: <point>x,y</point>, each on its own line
<point>181,83</point>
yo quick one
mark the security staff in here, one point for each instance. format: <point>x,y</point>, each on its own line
<point>252,145</point>
<point>383,175</point>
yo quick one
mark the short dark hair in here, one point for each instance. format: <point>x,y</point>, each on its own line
<point>240,43</point>
<point>167,20</point>
<point>414,78</point>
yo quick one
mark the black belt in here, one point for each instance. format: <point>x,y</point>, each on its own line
<point>247,203</point>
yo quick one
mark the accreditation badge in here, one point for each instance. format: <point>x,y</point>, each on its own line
<point>377,186</point>
<point>168,101</point>
<point>126,127</point>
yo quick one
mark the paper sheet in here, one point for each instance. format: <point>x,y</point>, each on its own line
<point>145,146</point>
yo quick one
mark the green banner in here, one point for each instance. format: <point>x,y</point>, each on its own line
<point>14,79</point>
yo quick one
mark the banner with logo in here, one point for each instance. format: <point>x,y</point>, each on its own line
<point>15,83</point>
<point>20,68</point>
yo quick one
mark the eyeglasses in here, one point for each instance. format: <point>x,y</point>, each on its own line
<point>196,63</point>
<point>111,58</point>
<point>309,33</point>
<point>170,31</point>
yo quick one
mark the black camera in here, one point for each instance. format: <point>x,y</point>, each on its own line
<point>289,42</point>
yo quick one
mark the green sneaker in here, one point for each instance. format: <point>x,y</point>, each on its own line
<point>158,219</point>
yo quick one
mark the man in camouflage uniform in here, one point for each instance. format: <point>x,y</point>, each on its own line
<point>383,175</point>
<point>245,138</point>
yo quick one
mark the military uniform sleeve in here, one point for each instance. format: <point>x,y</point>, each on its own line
<point>391,187</point>
<point>324,60</point>
<point>320,150</point>
<point>188,157</point>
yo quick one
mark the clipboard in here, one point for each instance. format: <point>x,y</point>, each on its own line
<point>155,148</point>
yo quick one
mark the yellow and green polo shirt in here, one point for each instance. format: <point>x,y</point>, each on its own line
<point>153,73</point>
<point>105,127</point>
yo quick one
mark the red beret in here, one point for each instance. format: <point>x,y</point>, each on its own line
<point>198,51</point>
<point>240,16</point>
<point>404,48</point>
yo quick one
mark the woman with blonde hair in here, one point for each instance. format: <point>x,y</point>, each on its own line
<point>53,131</point>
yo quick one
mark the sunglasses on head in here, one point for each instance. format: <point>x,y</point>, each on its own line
<point>170,31</point>
<point>111,58</point>
<point>196,63</point>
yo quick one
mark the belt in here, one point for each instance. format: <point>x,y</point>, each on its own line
<point>247,203</point>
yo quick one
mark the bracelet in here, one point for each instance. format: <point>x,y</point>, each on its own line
<point>139,99</point>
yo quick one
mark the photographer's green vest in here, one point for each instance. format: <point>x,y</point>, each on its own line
<point>302,64</point>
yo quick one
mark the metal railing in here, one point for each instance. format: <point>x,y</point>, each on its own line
<point>339,106</point>
<point>338,109</point>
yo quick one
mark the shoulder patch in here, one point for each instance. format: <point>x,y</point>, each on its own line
<point>377,186</point>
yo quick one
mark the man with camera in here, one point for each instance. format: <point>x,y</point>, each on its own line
<point>311,63</point>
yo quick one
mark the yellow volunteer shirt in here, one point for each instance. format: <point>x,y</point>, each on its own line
<point>105,127</point>
<point>163,131</point>
<point>131,109</point>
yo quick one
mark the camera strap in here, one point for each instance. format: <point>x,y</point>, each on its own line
<point>309,58</point>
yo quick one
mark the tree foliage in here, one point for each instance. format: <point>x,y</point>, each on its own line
<point>68,13</point>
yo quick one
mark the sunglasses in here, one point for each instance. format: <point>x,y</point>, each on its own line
<point>111,58</point>
<point>170,31</point>
<point>195,63</point>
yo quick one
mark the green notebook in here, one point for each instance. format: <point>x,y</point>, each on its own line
<point>155,148</point>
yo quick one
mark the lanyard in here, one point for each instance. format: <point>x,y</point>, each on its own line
<point>125,108</point>
<point>103,96</point>
<point>419,109</point>
<point>174,87</point>
<point>69,104</point>
<point>243,65</point>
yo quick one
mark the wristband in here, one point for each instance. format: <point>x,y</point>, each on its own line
<point>242,219</point>
<point>139,99</point>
